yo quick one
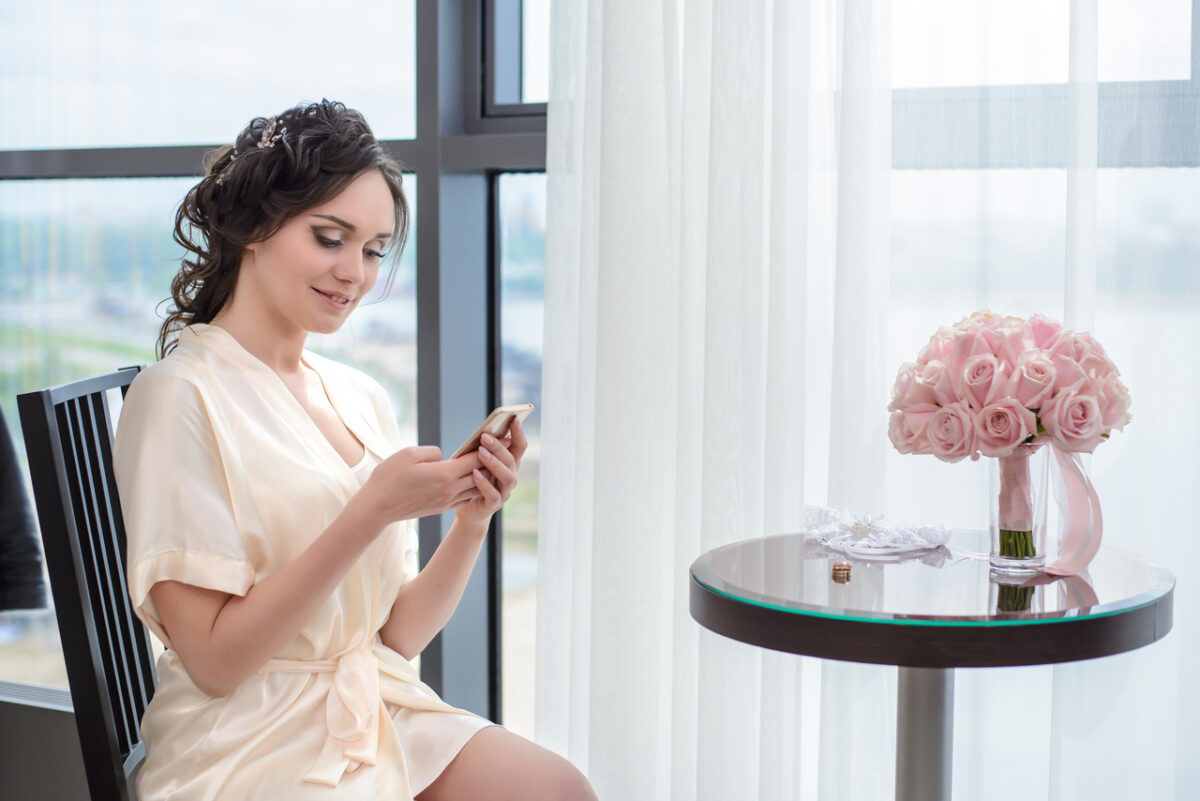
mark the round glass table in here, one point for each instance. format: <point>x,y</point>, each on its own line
<point>927,614</point>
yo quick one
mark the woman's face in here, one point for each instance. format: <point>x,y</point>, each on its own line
<point>313,271</point>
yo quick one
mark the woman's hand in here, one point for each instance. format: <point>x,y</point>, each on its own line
<point>500,461</point>
<point>424,605</point>
<point>415,482</point>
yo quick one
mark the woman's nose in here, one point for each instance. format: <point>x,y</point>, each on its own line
<point>351,268</point>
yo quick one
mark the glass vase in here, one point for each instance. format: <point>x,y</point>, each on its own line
<point>1018,490</point>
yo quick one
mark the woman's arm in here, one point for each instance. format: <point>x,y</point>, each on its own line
<point>424,605</point>
<point>221,638</point>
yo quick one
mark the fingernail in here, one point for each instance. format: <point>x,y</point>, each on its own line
<point>488,439</point>
<point>485,453</point>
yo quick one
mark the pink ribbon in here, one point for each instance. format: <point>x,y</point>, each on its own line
<point>1084,524</point>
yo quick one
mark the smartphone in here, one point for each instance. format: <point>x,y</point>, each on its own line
<point>496,424</point>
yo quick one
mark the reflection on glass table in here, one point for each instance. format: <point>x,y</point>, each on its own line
<point>945,586</point>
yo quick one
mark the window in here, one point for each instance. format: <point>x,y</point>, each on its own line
<point>522,222</point>
<point>117,110</point>
<point>981,198</point>
<point>78,74</point>
<point>515,71</point>
<point>98,251</point>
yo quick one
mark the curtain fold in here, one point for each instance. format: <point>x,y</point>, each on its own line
<point>735,268</point>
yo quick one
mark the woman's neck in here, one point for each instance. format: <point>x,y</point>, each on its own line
<point>272,342</point>
<point>261,329</point>
<point>283,355</point>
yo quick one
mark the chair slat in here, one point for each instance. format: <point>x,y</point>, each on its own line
<point>114,574</point>
<point>137,638</point>
<point>95,578</point>
<point>104,492</point>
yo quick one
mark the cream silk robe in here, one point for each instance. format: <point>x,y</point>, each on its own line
<point>224,478</point>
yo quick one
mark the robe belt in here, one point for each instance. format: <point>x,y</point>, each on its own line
<point>354,705</point>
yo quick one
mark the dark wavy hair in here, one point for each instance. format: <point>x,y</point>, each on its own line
<point>249,191</point>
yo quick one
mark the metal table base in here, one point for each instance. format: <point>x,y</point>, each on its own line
<point>924,733</point>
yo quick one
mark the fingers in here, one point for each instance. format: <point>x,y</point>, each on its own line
<point>498,449</point>
<point>491,495</point>
<point>518,441</point>
<point>467,496</point>
<point>500,464</point>
<point>462,484</point>
<point>461,467</point>
<point>424,453</point>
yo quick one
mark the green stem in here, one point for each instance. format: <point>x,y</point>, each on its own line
<point>1016,544</point>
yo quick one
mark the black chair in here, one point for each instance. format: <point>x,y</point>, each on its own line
<point>110,665</point>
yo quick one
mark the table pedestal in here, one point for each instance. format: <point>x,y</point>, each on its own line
<point>924,733</point>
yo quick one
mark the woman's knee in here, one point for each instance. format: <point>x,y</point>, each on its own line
<point>569,784</point>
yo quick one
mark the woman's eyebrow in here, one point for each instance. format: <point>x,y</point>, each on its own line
<point>350,227</point>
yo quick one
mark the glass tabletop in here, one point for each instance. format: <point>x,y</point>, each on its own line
<point>949,586</point>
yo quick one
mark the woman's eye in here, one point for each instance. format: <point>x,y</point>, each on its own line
<point>326,241</point>
<point>375,254</point>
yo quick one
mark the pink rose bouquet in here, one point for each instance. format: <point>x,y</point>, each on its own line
<point>990,383</point>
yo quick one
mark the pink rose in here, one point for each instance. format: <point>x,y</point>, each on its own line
<point>1072,418</point>
<point>918,417</point>
<point>969,343</point>
<point>938,378</point>
<point>909,391</point>
<point>1032,379</point>
<point>982,379</point>
<point>1065,354</point>
<point>1114,403</point>
<point>1008,342</point>
<point>1095,347</point>
<point>904,438</point>
<point>938,347</point>
<point>1000,427</point>
<point>951,433</point>
<point>977,321</point>
<point>1092,358</point>
<point>1044,330</point>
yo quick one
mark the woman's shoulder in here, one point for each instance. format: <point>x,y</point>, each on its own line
<point>172,375</point>
<point>188,374</point>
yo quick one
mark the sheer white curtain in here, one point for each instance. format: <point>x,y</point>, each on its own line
<point>756,212</point>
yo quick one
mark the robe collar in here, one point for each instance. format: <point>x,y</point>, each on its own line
<point>345,400</point>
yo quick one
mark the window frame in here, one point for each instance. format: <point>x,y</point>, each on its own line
<point>997,115</point>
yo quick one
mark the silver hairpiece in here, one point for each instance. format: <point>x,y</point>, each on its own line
<point>269,137</point>
<point>266,141</point>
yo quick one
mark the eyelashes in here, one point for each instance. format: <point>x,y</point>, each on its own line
<point>330,242</point>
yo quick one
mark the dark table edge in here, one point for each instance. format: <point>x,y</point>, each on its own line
<point>1035,642</point>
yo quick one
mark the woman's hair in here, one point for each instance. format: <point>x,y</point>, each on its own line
<point>277,168</point>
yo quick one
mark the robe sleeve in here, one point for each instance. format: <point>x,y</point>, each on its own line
<point>175,499</point>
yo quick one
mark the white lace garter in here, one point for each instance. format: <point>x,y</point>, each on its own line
<point>868,539</point>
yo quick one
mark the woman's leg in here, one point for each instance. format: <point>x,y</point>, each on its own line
<point>497,765</point>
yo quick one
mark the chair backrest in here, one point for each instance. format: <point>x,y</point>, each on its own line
<point>110,665</point>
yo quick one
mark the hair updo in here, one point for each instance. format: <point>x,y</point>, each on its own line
<point>251,189</point>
